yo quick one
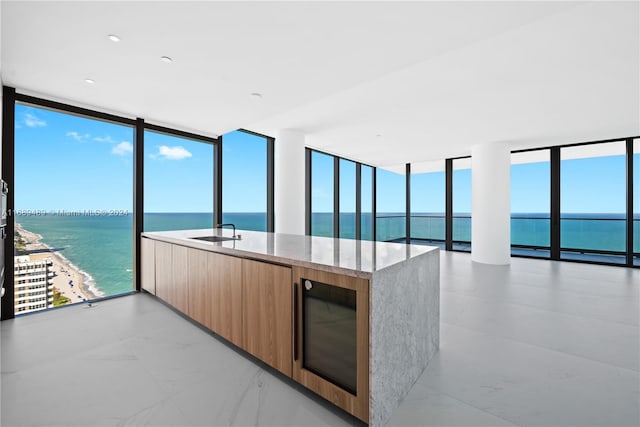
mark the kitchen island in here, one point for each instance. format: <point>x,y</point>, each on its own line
<point>354,321</point>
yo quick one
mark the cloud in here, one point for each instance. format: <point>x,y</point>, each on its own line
<point>32,121</point>
<point>107,139</point>
<point>122,149</point>
<point>173,153</point>
<point>75,135</point>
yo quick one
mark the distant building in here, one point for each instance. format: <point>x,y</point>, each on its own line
<point>33,284</point>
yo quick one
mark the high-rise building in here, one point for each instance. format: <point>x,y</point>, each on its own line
<point>33,284</point>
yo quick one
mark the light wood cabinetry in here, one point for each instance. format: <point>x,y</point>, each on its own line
<point>148,265</point>
<point>356,404</point>
<point>267,313</point>
<point>199,306</point>
<point>215,293</point>
<point>180,278</point>
<point>258,306</point>
<point>163,270</point>
<point>172,274</point>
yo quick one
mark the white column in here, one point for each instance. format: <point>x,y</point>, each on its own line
<point>491,209</point>
<point>289,181</point>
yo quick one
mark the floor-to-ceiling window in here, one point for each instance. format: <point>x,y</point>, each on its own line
<point>321,194</point>
<point>428,203</point>
<point>593,202</point>
<point>366,194</point>
<point>244,178</point>
<point>347,199</point>
<point>462,204</point>
<point>334,194</point>
<point>390,205</point>
<point>178,183</point>
<point>531,203</point>
<point>73,208</point>
<point>636,202</point>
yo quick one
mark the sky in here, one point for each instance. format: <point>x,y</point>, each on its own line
<point>64,162</point>
<point>70,163</point>
<point>591,185</point>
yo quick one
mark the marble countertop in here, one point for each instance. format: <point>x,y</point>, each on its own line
<point>358,258</point>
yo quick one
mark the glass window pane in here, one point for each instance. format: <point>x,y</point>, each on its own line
<point>347,199</point>
<point>178,183</point>
<point>391,205</point>
<point>428,203</point>
<point>244,180</point>
<point>321,194</point>
<point>366,210</point>
<point>531,203</point>
<point>73,207</point>
<point>462,204</point>
<point>593,202</point>
<point>636,202</point>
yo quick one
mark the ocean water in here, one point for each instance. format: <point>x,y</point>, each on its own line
<point>101,246</point>
<point>605,232</point>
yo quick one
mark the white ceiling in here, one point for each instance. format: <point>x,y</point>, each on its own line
<point>431,78</point>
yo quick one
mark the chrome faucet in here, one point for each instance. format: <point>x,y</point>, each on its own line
<point>227,225</point>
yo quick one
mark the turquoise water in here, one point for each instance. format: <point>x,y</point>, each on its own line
<point>101,246</point>
<point>606,232</point>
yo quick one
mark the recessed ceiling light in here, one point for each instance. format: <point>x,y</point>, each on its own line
<point>90,81</point>
<point>166,59</point>
<point>256,95</point>
<point>114,38</point>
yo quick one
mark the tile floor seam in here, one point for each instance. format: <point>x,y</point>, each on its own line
<point>633,371</point>
<point>452,279</point>
<point>637,326</point>
<point>569,292</point>
<point>471,405</point>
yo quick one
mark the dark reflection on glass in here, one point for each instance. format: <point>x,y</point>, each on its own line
<point>329,325</point>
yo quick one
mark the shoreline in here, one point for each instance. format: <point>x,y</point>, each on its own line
<point>69,280</point>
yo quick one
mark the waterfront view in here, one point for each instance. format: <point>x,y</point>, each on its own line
<point>92,255</point>
<point>74,236</point>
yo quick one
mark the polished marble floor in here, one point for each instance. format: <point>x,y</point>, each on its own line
<point>538,343</point>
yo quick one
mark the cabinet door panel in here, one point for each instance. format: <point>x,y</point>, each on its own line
<point>179,293</point>
<point>163,270</point>
<point>225,274</point>
<point>148,266</point>
<point>199,307</point>
<point>267,313</point>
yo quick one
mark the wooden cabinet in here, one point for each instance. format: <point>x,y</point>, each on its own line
<point>180,278</point>
<point>225,274</point>
<point>215,293</point>
<point>163,270</point>
<point>172,274</point>
<point>258,306</point>
<point>148,265</point>
<point>267,300</point>
<point>199,306</point>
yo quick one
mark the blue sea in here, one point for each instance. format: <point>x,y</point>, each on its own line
<point>101,246</point>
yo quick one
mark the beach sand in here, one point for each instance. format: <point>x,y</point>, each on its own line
<point>68,279</point>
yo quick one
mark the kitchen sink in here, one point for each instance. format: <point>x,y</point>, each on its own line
<point>213,238</point>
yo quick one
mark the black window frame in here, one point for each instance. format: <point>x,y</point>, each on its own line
<point>336,193</point>
<point>9,100</point>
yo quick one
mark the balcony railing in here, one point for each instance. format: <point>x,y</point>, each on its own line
<point>585,237</point>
